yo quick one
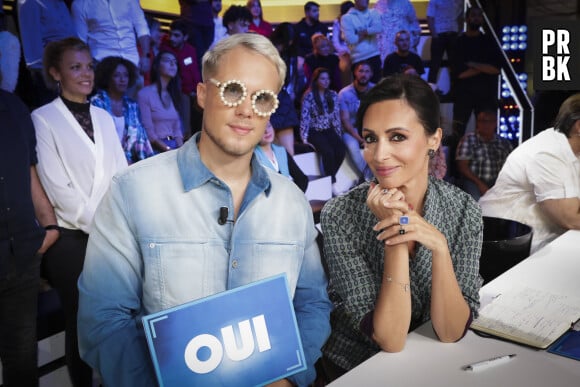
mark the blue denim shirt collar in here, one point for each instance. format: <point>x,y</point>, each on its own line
<point>194,173</point>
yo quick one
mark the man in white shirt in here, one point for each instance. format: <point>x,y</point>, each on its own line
<point>110,28</point>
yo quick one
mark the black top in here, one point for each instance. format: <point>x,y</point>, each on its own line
<point>20,233</point>
<point>304,34</point>
<point>481,49</point>
<point>394,64</point>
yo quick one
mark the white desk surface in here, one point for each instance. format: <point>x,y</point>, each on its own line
<point>426,362</point>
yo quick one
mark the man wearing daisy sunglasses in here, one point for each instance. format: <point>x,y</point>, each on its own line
<point>214,220</point>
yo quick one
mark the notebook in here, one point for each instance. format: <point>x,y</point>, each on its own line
<point>529,316</point>
<point>247,336</point>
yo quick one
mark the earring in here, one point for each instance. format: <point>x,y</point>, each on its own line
<point>58,87</point>
<point>431,153</point>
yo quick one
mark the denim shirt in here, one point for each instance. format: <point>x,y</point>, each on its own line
<point>156,243</point>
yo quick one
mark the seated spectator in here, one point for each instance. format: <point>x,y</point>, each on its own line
<point>322,56</point>
<point>237,19</point>
<point>188,72</point>
<point>219,30</point>
<point>349,101</point>
<point>156,37</point>
<point>437,163</point>
<point>397,15</point>
<point>114,75</point>
<point>285,119</point>
<point>320,124</point>
<point>160,104</point>
<point>539,184</point>
<point>258,24</point>
<point>481,154</point>
<point>78,155</point>
<point>277,158</point>
<point>403,60</point>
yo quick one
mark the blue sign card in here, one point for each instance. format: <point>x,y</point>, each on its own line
<point>246,336</point>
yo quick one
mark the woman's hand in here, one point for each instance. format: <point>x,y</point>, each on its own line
<point>386,203</point>
<point>389,206</point>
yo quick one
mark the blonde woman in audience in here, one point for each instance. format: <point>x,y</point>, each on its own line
<point>78,154</point>
<point>160,104</point>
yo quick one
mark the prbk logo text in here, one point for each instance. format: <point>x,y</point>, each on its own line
<point>556,55</point>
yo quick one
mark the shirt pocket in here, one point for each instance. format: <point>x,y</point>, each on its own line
<point>177,272</point>
<point>275,258</point>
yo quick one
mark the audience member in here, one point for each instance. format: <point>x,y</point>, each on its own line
<point>277,158</point>
<point>219,30</point>
<point>215,168</point>
<point>28,230</point>
<point>155,44</point>
<point>113,76</point>
<point>320,124</point>
<point>404,248</point>
<point>161,102</point>
<point>9,56</point>
<point>349,101</point>
<point>340,47</point>
<point>200,16</point>
<point>258,24</point>
<point>284,39</point>
<point>403,60</point>
<point>438,164</point>
<point>477,62</point>
<point>78,154</point>
<point>360,26</point>
<point>40,22</point>
<point>322,56</point>
<point>397,15</point>
<point>481,154</point>
<point>111,28</point>
<point>444,18</point>
<point>285,119</point>
<point>237,20</point>
<point>539,184</point>
<point>188,72</point>
<point>306,27</point>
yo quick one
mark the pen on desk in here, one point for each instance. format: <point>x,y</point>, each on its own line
<point>489,363</point>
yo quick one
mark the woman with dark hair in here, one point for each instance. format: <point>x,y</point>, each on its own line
<point>258,24</point>
<point>320,124</point>
<point>160,104</point>
<point>402,249</point>
<point>539,184</point>
<point>78,154</point>
<point>114,75</point>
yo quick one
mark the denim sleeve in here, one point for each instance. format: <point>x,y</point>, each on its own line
<point>111,337</point>
<point>312,308</point>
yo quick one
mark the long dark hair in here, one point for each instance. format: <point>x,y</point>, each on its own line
<point>314,90</point>
<point>106,68</point>
<point>174,84</point>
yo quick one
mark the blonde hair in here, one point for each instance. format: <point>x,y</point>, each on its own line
<point>251,41</point>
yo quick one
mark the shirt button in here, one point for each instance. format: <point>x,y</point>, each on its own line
<point>235,264</point>
<point>7,209</point>
<point>151,245</point>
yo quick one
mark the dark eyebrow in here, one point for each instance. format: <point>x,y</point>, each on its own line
<point>386,130</point>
